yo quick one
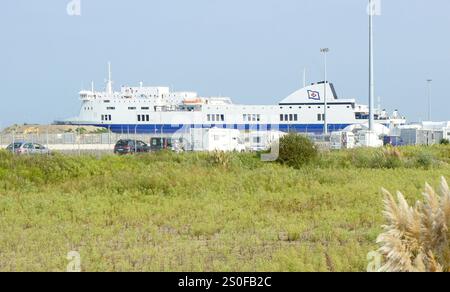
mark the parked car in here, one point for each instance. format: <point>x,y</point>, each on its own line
<point>27,148</point>
<point>130,146</point>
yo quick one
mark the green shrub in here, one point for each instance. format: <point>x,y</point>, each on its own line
<point>297,151</point>
<point>248,160</point>
<point>101,131</point>
<point>389,157</point>
<point>445,142</point>
<point>425,159</point>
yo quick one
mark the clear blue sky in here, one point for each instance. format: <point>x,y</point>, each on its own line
<point>252,50</point>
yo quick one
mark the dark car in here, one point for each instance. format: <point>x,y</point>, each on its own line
<point>29,148</point>
<point>130,146</point>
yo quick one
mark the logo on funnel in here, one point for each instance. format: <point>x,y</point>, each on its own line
<point>314,95</point>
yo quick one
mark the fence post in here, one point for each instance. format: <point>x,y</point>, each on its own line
<point>46,140</point>
<point>13,141</point>
<point>135,140</point>
<point>79,141</point>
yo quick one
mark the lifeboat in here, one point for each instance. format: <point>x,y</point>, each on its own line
<point>191,101</point>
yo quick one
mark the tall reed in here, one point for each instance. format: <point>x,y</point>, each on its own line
<point>416,239</point>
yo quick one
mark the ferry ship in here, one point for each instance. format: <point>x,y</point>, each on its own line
<point>158,110</point>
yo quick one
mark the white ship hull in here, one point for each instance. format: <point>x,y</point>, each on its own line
<point>157,110</point>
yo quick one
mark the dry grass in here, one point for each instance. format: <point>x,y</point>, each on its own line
<point>220,158</point>
<point>417,239</point>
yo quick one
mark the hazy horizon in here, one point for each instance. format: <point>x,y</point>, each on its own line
<point>253,51</point>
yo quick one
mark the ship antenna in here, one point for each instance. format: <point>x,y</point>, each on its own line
<point>304,77</point>
<point>109,85</point>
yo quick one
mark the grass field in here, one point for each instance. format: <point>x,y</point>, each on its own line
<point>191,212</point>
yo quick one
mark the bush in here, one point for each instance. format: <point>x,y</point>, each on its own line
<point>425,159</point>
<point>296,151</point>
<point>445,142</point>
<point>389,157</point>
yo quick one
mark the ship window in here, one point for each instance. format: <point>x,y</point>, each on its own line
<point>131,108</point>
<point>218,118</point>
<point>319,117</point>
<point>281,117</point>
<point>222,117</point>
<point>147,118</point>
<point>110,108</point>
<point>106,101</point>
<point>295,117</point>
<point>286,118</point>
<point>109,117</point>
<point>103,117</point>
<point>258,118</point>
<point>213,118</point>
<point>139,118</point>
<point>291,117</point>
<point>145,108</point>
<point>208,117</point>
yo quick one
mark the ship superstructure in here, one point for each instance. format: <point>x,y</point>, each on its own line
<point>159,110</point>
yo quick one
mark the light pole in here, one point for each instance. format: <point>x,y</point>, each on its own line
<point>325,51</point>
<point>429,81</point>
<point>371,73</point>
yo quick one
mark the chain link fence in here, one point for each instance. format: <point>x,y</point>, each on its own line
<point>103,143</point>
<point>74,143</point>
<point>72,138</point>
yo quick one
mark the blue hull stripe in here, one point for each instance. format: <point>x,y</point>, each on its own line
<point>171,129</point>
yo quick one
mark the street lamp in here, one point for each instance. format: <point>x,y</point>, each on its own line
<point>371,71</point>
<point>325,51</point>
<point>429,81</point>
